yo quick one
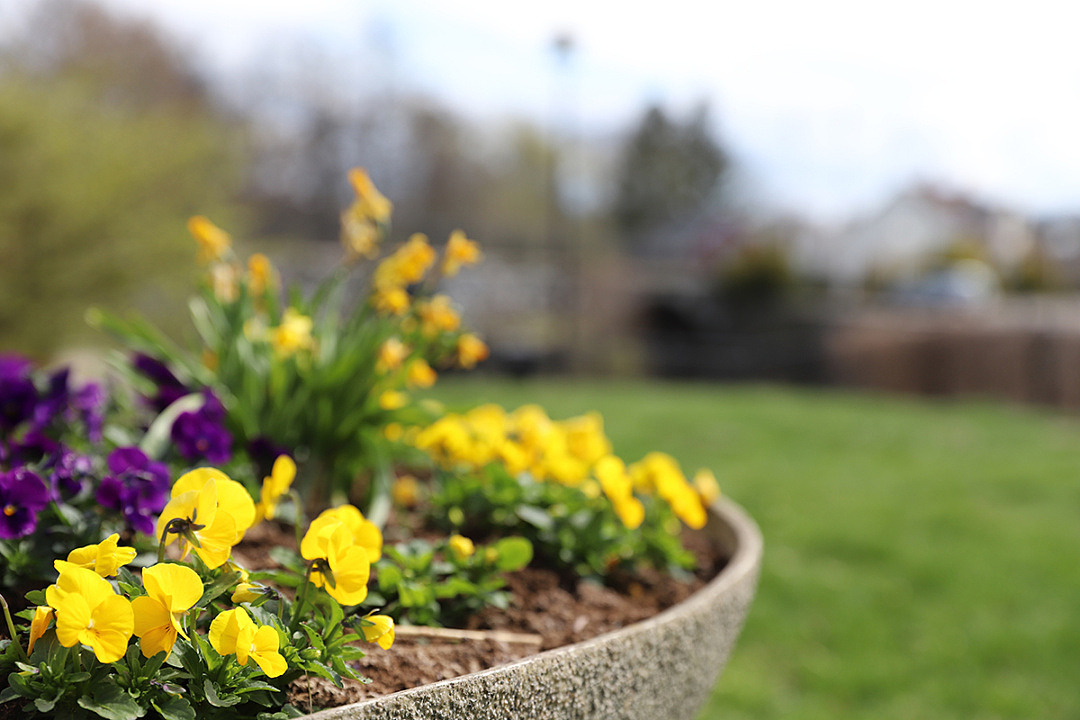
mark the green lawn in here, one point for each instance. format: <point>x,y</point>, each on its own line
<point>922,560</point>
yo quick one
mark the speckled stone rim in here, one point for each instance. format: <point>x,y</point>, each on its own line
<point>662,668</point>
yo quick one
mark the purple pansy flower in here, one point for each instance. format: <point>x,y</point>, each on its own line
<point>136,486</point>
<point>169,387</point>
<point>201,435</point>
<point>18,396</point>
<point>89,403</point>
<point>69,472</point>
<point>35,448</point>
<point>54,401</point>
<point>22,496</point>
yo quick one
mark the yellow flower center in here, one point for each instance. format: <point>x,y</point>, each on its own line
<point>9,510</point>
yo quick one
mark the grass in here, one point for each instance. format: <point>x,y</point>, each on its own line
<point>922,560</point>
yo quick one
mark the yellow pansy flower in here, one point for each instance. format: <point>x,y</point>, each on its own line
<point>706,485</point>
<point>233,632</point>
<point>275,487</point>
<point>209,508</point>
<point>459,251</point>
<point>247,592</point>
<point>232,497</point>
<point>293,334</point>
<point>471,350</point>
<point>364,533</point>
<point>171,590</point>
<point>104,558</point>
<point>405,491</point>
<point>381,630</point>
<point>88,612</point>
<point>331,548</point>
<point>43,615</point>
<point>687,506</point>
<point>461,546</point>
<point>213,242</point>
<point>630,511</point>
<point>420,374</point>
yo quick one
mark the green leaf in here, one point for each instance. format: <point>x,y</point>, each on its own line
<point>225,582</point>
<point>112,703</point>
<point>514,553</point>
<point>537,517</point>
<point>214,699</point>
<point>158,436</point>
<point>174,707</point>
<point>43,705</point>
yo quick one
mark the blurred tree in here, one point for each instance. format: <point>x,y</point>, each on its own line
<point>668,170</point>
<point>107,146</point>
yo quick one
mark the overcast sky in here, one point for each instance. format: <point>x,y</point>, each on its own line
<point>830,105</point>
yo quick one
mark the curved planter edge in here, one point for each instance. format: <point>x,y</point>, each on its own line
<point>662,667</point>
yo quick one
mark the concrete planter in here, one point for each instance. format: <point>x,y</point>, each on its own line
<point>664,667</point>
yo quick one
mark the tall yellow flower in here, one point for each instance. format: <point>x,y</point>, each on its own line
<point>213,242</point>
<point>104,558</point>
<point>390,301</point>
<point>293,334</point>
<point>471,350</point>
<point>391,355</point>
<point>338,563</point>
<point>420,374</point>
<point>88,612</point>
<point>275,487</point>
<point>171,590</point>
<point>372,203</point>
<point>407,265</point>
<point>393,400</point>
<point>459,251</point>
<point>359,236</point>
<point>437,315</point>
<point>261,274</point>
<point>234,632</point>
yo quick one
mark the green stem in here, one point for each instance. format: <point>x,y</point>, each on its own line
<point>161,545</point>
<point>299,507</point>
<point>11,628</point>
<point>301,601</point>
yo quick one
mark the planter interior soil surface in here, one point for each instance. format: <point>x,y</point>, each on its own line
<point>543,604</point>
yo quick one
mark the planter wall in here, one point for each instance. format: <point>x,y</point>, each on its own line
<point>661,668</point>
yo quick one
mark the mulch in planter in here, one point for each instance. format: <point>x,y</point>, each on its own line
<point>543,605</point>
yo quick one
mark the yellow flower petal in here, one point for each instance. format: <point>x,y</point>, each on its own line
<point>177,587</point>
<point>38,625</point>
<point>381,631</point>
<point>225,630</point>
<point>153,626</point>
<point>264,651</point>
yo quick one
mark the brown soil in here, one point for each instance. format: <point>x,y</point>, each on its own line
<point>541,606</point>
